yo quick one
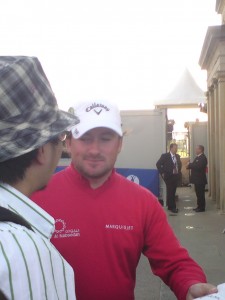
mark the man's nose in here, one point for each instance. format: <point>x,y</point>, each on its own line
<point>94,146</point>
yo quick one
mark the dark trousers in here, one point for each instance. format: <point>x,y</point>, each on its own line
<point>200,194</point>
<point>171,187</point>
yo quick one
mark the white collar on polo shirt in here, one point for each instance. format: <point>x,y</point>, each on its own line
<point>39,219</point>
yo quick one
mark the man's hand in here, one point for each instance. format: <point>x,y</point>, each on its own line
<point>200,290</point>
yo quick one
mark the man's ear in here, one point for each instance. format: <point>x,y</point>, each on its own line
<point>120,145</point>
<point>68,144</point>
<point>41,155</point>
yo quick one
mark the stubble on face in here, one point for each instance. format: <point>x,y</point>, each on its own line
<point>94,166</point>
<point>98,174</point>
<point>94,155</point>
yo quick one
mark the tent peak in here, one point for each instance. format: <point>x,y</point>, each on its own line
<point>185,93</point>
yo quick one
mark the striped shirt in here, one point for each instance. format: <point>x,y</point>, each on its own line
<point>30,266</point>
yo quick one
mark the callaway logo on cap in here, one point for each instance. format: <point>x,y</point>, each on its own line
<point>97,108</point>
<point>96,114</point>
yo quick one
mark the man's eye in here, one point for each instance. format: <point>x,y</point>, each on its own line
<point>85,139</point>
<point>106,138</point>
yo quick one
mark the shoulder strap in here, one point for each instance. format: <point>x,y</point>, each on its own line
<point>7,215</point>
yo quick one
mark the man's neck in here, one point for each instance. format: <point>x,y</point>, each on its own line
<point>22,188</point>
<point>96,182</point>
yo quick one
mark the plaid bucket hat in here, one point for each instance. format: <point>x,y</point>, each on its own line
<point>29,114</point>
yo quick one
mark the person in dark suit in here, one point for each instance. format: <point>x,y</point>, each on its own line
<point>198,177</point>
<point>169,166</point>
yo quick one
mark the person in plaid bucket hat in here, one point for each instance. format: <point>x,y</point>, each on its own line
<point>32,131</point>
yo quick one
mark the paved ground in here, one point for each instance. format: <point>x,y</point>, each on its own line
<point>201,234</point>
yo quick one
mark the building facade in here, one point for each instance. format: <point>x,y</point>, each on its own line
<point>212,59</point>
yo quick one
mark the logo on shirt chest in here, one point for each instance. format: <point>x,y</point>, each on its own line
<point>119,227</point>
<point>133,178</point>
<point>61,230</point>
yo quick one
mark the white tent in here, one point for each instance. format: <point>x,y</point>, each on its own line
<point>185,94</point>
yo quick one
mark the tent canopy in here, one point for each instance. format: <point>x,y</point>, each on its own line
<point>185,94</point>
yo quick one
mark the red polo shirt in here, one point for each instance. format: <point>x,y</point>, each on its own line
<point>103,232</point>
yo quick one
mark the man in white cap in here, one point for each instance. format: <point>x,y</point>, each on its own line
<point>104,222</point>
<point>32,130</point>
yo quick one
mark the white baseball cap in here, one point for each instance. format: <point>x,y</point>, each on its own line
<point>93,114</point>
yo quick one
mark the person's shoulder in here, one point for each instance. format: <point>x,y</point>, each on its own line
<point>202,157</point>
<point>137,196</point>
<point>59,176</point>
<point>205,158</point>
<point>17,240</point>
<point>165,155</point>
<point>10,230</point>
<point>133,188</point>
<point>61,173</point>
<point>52,189</point>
